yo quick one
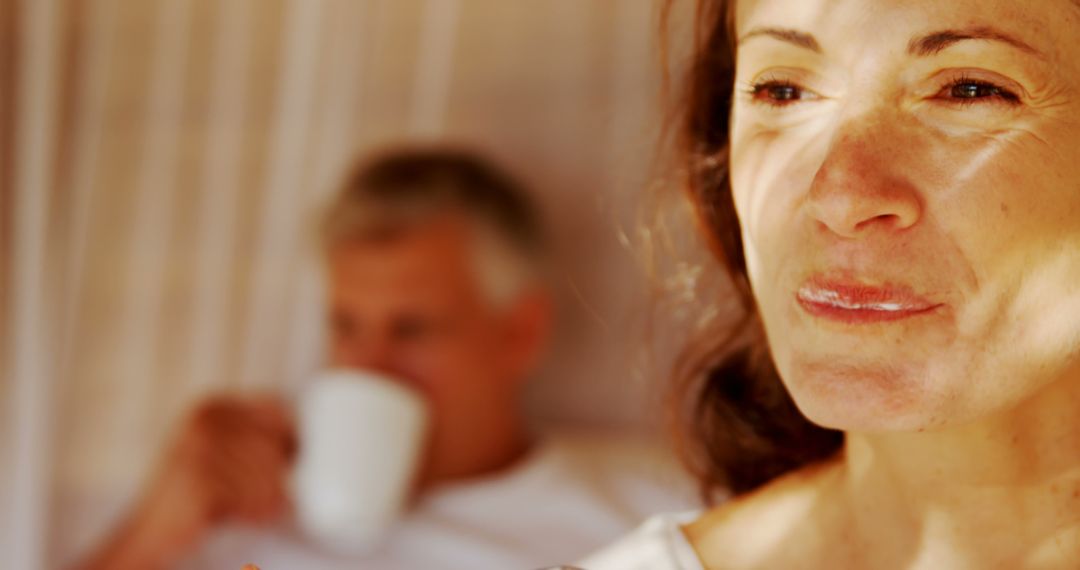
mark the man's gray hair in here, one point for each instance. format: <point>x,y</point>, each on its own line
<point>398,190</point>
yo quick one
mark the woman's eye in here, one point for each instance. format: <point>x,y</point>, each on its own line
<point>779,93</point>
<point>969,91</point>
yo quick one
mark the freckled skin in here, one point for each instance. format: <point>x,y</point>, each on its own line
<point>871,164</point>
<point>972,206</point>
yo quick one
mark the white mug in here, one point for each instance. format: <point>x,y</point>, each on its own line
<point>361,436</point>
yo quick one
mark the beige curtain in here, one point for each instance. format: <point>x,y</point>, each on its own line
<point>160,164</point>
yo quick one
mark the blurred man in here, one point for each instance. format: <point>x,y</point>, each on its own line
<point>435,265</point>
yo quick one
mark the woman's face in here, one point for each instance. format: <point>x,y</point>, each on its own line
<point>907,177</point>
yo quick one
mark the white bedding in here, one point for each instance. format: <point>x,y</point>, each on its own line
<point>572,495</point>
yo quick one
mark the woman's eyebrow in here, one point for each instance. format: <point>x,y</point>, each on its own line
<point>922,46</point>
<point>936,42</point>
<point>788,35</point>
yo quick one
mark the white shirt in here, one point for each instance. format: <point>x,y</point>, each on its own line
<point>570,496</point>
<point>659,544</point>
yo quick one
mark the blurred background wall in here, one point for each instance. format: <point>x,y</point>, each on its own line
<point>160,166</point>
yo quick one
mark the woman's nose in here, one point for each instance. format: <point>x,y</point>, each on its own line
<point>861,186</point>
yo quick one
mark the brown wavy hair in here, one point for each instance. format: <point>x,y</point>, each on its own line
<point>736,426</point>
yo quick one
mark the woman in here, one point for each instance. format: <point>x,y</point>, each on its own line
<point>898,184</point>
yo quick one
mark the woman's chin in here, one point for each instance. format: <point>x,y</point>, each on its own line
<point>865,398</point>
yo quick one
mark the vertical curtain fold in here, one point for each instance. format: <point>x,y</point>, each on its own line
<point>215,243</point>
<point>31,404</point>
<point>284,179</point>
<point>434,68</point>
<point>154,198</point>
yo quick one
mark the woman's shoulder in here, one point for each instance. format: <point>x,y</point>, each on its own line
<point>768,525</point>
<point>766,528</point>
<point>658,544</point>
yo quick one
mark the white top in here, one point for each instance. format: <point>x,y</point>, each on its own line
<point>659,544</point>
<point>570,496</point>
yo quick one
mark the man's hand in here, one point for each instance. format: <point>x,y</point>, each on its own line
<point>230,461</point>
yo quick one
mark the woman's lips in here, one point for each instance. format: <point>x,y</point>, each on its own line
<point>852,302</point>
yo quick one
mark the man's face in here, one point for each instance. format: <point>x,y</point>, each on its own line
<point>411,307</point>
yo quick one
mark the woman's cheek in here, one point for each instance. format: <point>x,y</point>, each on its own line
<point>1002,200</point>
<point>771,173</point>
<point>744,192</point>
